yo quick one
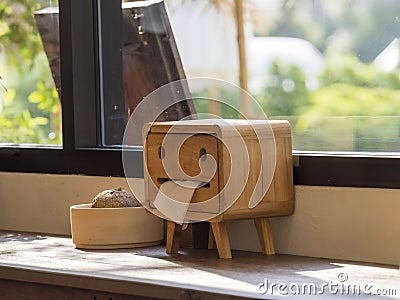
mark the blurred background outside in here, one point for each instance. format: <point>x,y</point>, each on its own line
<point>332,68</point>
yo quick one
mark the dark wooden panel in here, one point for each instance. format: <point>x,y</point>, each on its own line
<point>348,171</point>
<point>11,290</point>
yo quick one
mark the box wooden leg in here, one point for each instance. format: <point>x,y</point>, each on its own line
<point>173,237</point>
<point>211,239</point>
<point>265,235</point>
<point>221,239</point>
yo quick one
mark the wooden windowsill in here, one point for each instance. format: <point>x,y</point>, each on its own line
<point>32,261</point>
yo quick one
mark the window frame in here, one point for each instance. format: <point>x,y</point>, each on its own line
<point>91,76</point>
<point>83,88</point>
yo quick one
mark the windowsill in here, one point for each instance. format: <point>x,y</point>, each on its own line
<point>29,146</point>
<point>52,262</point>
<point>346,154</point>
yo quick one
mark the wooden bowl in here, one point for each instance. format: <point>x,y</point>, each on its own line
<point>114,228</point>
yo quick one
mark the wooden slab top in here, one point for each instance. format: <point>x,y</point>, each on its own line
<point>192,274</point>
<point>221,127</point>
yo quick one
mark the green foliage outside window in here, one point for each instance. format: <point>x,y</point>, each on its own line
<point>29,102</point>
<point>351,106</point>
<point>355,108</point>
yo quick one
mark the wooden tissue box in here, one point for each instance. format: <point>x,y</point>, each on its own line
<point>213,137</point>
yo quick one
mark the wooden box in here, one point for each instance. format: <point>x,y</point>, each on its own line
<point>271,187</point>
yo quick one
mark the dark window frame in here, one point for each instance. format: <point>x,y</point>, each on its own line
<point>90,75</point>
<point>84,87</point>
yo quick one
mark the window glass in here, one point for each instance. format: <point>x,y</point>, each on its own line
<point>164,42</point>
<point>29,103</point>
<point>332,68</point>
<point>150,59</point>
<point>206,36</point>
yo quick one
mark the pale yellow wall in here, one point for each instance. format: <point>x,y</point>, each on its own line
<point>360,224</point>
<point>346,223</point>
<point>40,203</point>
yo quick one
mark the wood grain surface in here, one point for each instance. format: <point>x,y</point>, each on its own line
<point>53,264</point>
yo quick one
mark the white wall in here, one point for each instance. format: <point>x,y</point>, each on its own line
<point>345,223</point>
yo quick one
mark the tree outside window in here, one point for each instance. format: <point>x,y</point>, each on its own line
<point>30,109</point>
